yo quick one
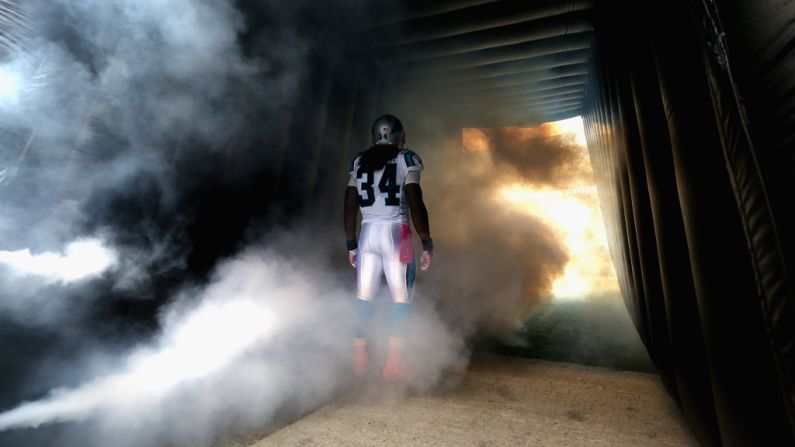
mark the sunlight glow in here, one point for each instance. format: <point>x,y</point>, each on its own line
<point>571,125</point>
<point>575,215</point>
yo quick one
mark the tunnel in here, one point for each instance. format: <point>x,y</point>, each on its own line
<point>687,108</point>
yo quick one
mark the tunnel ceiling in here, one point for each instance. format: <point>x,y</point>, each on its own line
<point>495,63</point>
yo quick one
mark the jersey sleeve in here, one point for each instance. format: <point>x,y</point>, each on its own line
<point>413,161</point>
<point>412,177</point>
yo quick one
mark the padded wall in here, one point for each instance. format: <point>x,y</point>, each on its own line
<point>695,170</point>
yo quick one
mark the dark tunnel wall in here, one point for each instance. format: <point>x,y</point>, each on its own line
<point>689,125</point>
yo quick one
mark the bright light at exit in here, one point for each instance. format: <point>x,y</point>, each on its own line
<point>576,217</point>
<point>573,213</point>
<point>572,126</point>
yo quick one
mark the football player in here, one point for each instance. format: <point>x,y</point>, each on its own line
<point>385,185</point>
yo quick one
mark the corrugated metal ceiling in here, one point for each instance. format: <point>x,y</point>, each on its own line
<point>506,62</point>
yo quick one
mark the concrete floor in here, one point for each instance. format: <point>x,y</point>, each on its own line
<point>502,401</point>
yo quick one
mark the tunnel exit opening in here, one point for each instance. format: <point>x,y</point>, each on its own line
<point>541,177</point>
<point>559,191</point>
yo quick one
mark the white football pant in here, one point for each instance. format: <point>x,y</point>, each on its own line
<point>379,253</point>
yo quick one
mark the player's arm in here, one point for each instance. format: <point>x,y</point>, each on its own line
<point>349,220</point>
<point>419,216</point>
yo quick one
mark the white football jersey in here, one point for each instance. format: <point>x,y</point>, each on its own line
<point>381,197</point>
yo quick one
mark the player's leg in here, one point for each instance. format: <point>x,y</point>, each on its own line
<point>368,277</point>
<point>400,278</point>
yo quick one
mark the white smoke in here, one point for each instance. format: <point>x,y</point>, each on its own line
<point>268,333</point>
<point>254,304</point>
<point>113,114</point>
<point>82,259</point>
<point>113,98</point>
<point>10,87</point>
<point>119,111</point>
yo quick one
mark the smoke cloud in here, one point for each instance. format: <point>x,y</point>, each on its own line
<point>83,259</point>
<point>117,120</point>
<point>256,306</point>
<point>538,156</point>
<point>496,263</point>
<point>134,123</point>
<point>267,337</point>
<point>122,110</point>
<point>145,124</point>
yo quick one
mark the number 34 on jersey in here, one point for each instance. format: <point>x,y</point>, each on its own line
<point>387,186</point>
<point>381,192</point>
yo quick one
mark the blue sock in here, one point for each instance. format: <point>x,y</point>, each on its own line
<point>364,313</point>
<point>398,319</point>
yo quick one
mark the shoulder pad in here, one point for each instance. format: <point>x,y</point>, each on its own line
<point>353,161</point>
<point>412,159</point>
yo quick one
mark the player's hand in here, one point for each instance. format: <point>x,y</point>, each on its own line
<point>425,260</point>
<point>352,255</point>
